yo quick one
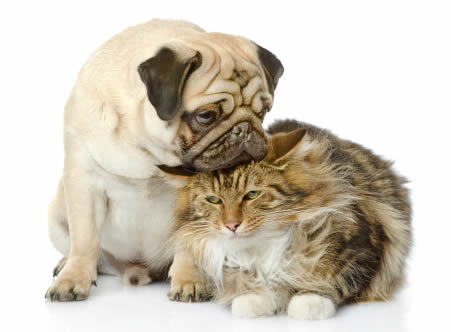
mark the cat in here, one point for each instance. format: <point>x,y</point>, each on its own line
<point>319,223</point>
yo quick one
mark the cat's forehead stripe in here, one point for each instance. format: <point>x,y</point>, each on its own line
<point>216,185</point>
<point>242,181</point>
<point>236,176</point>
<point>221,179</point>
<point>236,180</point>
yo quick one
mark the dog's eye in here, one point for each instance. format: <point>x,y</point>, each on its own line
<point>214,199</point>
<point>253,194</point>
<point>205,117</point>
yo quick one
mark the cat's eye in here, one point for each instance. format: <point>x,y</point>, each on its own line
<point>214,199</point>
<point>253,194</point>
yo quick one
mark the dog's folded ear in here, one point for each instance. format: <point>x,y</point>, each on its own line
<point>271,65</point>
<point>164,76</point>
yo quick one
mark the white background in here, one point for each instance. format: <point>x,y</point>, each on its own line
<point>377,72</point>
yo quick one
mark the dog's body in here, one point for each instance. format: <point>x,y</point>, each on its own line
<point>135,230</point>
<point>208,95</point>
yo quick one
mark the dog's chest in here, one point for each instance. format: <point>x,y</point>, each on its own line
<point>139,221</point>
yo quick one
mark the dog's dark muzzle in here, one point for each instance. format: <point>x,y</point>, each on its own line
<point>239,145</point>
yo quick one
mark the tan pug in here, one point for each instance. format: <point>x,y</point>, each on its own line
<point>160,95</point>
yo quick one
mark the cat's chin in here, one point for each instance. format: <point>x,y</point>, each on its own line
<point>234,242</point>
<point>241,241</point>
<point>237,236</point>
<point>249,236</point>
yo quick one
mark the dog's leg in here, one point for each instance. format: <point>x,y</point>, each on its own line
<point>132,273</point>
<point>187,282</point>
<point>86,208</point>
<point>58,227</point>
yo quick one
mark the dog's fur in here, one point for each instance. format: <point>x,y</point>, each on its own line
<point>139,102</point>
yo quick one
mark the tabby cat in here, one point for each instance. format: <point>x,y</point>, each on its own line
<point>320,222</point>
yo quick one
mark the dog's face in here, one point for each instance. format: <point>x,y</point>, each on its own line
<point>215,90</point>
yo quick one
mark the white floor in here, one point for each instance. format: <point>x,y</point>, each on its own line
<point>115,307</point>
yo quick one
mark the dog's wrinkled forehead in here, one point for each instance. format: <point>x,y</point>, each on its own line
<point>230,75</point>
<point>210,68</point>
<point>217,88</point>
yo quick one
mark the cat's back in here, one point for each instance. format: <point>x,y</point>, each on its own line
<point>373,175</point>
<point>381,207</point>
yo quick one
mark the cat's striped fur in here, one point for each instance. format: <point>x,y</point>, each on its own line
<point>332,220</point>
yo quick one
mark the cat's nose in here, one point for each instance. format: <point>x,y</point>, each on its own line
<point>232,225</point>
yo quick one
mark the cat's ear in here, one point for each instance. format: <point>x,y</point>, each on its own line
<point>283,145</point>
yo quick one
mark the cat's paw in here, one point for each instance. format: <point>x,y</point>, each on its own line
<point>253,305</point>
<point>310,306</point>
<point>188,291</point>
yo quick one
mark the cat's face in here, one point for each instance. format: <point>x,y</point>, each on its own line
<point>259,198</point>
<point>238,203</point>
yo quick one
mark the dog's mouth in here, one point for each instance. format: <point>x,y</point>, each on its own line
<point>239,145</point>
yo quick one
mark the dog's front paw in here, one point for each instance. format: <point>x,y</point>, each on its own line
<point>72,283</point>
<point>188,291</point>
<point>253,305</point>
<point>310,306</point>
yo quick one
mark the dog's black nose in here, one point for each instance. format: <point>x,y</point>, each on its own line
<point>241,129</point>
<point>239,132</point>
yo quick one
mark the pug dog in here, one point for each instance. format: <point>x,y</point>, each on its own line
<point>163,96</point>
